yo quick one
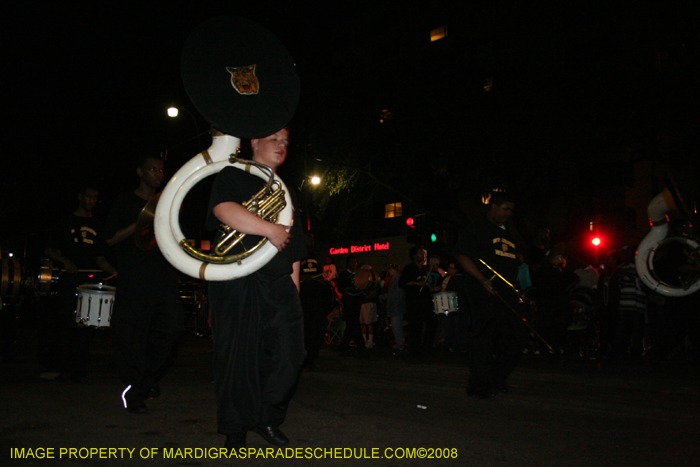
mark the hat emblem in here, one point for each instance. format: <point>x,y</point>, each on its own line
<point>243,80</point>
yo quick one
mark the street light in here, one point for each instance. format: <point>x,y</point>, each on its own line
<point>315,180</point>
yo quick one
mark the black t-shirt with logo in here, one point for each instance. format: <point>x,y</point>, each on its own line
<point>78,239</point>
<point>487,241</point>
<point>419,299</point>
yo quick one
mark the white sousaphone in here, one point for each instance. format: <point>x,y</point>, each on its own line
<point>243,81</point>
<point>166,222</point>
<point>659,206</point>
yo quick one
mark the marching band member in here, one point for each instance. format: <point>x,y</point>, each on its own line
<point>148,316</point>
<point>419,303</point>
<point>494,330</point>
<point>257,320</point>
<point>74,243</point>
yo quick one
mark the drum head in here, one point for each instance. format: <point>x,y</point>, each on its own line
<point>98,288</point>
<point>240,77</point>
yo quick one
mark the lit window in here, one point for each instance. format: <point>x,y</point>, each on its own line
<point>438,33</point>
<point>392,210</point>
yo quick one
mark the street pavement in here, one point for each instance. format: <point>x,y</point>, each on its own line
<point>382,408</point>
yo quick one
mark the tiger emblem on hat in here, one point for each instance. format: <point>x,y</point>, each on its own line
<point>243,80</point>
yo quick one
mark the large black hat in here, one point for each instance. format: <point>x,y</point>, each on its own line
<point>240,77</point>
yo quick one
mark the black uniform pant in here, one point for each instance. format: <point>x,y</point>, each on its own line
<point>352,303</point>
<point>146,325</point>
<point>63,346</point>
<point>258,350</point>
<point>422,326</point>
<point>314,327</point>
<point>496,340</point>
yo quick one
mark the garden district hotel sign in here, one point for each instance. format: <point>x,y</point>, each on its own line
<point>359,248</point>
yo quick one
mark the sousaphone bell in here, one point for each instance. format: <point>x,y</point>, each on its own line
<point>243,81</point>
<point>657,244</point>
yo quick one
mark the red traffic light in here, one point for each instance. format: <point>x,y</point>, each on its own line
<point>410,222</point>
<point>596,241</point>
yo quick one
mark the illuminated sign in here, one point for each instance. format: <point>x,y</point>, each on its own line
<point>360,249</point>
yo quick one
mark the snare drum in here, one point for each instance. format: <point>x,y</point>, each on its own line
<point>445,303</point>
<point>95,303</point>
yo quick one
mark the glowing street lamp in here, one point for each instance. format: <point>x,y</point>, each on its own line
<point>315,180</point>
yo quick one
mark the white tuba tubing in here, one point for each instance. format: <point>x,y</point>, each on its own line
<point>643,262</point>
<point>167,225</point>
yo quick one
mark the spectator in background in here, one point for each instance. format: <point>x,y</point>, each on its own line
<point>330,273</point>
<point>352,302</point>
<point>368,309</point>
<point>317,300</point>
<point>632,309</point>
<point>395,304</point>
<point>608,300</point>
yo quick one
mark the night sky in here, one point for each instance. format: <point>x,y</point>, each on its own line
<point>86,88</point>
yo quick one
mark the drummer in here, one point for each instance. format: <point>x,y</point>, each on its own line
<point>74,244</point>
<point>419,303</point>
<point>435,274</point>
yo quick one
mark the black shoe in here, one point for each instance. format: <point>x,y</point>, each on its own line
<point>235,441</point>
<point>77,376</point>
<point>480,394</point>
<point>136,406</point>
<point>503,388</point>
<point>500,386</point>
<point>154,391</point>
<point>133,401</point>
<point>272,435</point>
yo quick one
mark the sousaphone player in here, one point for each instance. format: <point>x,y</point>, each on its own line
<point>243,81</point>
